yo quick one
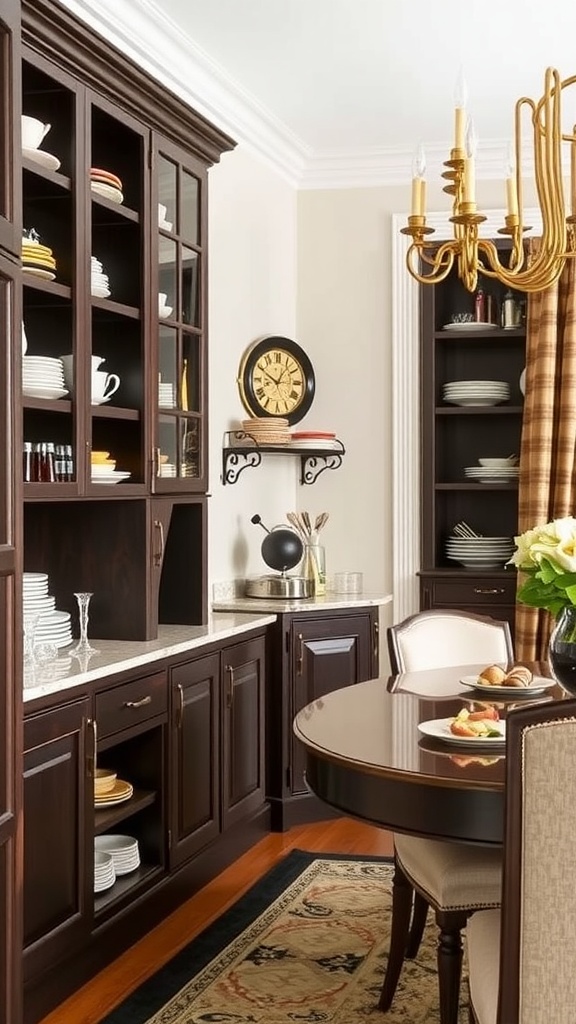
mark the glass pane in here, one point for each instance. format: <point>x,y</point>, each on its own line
<point>190,385</point>
<point>167,279</point>
<point>167,367</point>
<point>190,465</point>
<point>189,208</point>
<point>168,443</point>
<point>190,287</point>
<point>167,194</point>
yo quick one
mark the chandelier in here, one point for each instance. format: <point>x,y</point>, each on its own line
<point>431,262</point>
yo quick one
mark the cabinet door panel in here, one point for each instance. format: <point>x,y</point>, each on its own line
<point>243,730</point>
<point>326,655</point>
<point>58,862</point>
<point>10,166</point>
<point>195,754</point>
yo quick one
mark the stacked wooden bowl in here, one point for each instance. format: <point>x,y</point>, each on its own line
<point>267,429</point>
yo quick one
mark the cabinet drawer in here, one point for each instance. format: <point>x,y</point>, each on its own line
<point>131,703</point>
<point>475,592</point>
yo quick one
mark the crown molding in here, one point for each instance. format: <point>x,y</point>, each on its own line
<point>145,34</point>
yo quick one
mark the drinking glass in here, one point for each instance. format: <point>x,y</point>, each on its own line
<point>83,646</point>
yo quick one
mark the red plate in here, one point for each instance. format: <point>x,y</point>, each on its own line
<point>311,435</point>
<point>96,173</point>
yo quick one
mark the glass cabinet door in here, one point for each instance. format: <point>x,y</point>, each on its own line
<point>180,448</point>
<point>10,108</point>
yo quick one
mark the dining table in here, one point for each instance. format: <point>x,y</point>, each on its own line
<point>382,751</point>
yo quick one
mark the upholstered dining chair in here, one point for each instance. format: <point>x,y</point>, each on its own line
<point>521,958</point>
<point>453,879</point>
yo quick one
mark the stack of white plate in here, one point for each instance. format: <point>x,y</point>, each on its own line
<point>100,284</point>
<point>104,872</point>
<point>101,475</point>
<point>54,627</point>
<point>167,469</point>
<point>43,377</point>
<point>123,850</point>
<point>166,395</point>
<point>480,552</point>
<point>476,392</point>
<point>492,474</point>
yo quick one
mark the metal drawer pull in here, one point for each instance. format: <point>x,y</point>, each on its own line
<point>159,553</point>
<point>376,638</point>
<point>138,703</point>
<point>489,590</point>
<point>180,715</point>
<point>230,687</point>
<point>300,661</point>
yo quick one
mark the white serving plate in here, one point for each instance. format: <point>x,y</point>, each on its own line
<point>44,392</point>
<point>43,159</point>
<point>539,684</point>
<point>439,729</point>
<point>471,325</point>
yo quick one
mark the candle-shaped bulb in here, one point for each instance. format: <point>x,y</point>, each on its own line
<point>460,90</point>
<point>469,195</point>
<point>419,162</point>
<point>418,183</point>
<point>511,190</point>
<point>471,139</point>
<point>460,100</point>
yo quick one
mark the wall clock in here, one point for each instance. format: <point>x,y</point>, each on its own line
<point>276,378</point>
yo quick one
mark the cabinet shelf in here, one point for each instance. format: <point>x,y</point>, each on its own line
<point>479,410</point>
<point>241,451</point>
<point>109,816</point>
<point>125,886</point>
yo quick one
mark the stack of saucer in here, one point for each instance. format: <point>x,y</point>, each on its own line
<point>166,395</point>
<point>167,468</point>
<point>118,793</point>
<point>317,439</point>
<point>123,850</point>
<point>38,259</point>
<point>476,392</point>
<point>106,184</point>
<point>267,430</point>
<point>104,872</point>
<point>480,553</point>
<point>43,377</point>
<point>100,284</point>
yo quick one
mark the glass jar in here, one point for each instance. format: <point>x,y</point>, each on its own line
<point>315,567</point>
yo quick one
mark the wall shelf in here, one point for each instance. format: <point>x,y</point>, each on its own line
<point>241,451</point>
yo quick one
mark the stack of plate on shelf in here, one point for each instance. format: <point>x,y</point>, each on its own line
<point>166,395</point>
<point>100,283</point>
<point>53,627</point>
<point>116,794</point>
<point>43,377</point>
<point>494,471</point>
<point>480,552</point>
<point>123,850</point>
<point>103,470</point>
<point>166,468</point>
<point>105,183</point>
<point>104,872</point>
<point>38,259</point>
<point>318,439</point>
<point>476,392</point>
<point>267,429</point>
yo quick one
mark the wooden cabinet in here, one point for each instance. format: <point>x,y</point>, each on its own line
<point>313,653</point>
<point>456,435</point>
<point>118,192</point>
<point>10,220</point>
<point>58,861</point>
<point>217,756</point>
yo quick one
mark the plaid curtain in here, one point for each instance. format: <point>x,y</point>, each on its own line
<point>548,448</point>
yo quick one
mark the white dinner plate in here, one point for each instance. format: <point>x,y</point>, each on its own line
<point>538,685</point>
<point>39,392</point>
<point>472,325</point>
<point>107,191</point>
<point>439,729</point>
<point>46,160</point>
<point>46,274</point>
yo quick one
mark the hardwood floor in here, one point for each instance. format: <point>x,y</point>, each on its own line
<point>341,835</point>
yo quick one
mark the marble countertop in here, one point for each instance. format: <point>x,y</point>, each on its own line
<point>312,604</point>
<point>112,656</point>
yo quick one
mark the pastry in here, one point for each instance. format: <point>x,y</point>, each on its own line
<point>494,675</point>
<point>518,676</point>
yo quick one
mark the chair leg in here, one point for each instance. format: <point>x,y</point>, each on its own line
<point>419,915</point>
<point>450,925</point>
<point>402,894</point>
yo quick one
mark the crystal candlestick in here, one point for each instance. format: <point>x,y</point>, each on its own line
<point>83,646</point>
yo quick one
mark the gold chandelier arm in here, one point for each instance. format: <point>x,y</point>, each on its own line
<point>441,263</point>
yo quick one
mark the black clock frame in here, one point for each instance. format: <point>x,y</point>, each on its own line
<point>248,364</point>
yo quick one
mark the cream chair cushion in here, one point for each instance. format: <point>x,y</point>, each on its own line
<point>443,640</point>
<point>452,876</point>
<point>483,941</point>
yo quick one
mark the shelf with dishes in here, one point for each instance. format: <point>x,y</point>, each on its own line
<point>241,451</point>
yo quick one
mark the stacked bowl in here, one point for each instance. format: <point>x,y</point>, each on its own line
<point>123,850</point>
<point>494,471</point>
<point>104,873</point>
<point>100,283</point>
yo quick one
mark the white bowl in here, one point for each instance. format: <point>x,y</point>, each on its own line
<point>495,463</point>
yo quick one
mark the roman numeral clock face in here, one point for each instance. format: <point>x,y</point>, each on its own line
<point>276,378</point>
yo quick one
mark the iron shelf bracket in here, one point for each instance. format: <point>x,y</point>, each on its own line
<point>240,450</point>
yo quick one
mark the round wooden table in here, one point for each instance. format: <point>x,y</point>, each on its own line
<point>366,758</point>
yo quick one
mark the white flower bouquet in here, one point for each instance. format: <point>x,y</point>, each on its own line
<point>547,555</point>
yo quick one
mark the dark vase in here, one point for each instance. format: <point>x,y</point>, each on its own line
<point>562,650</point>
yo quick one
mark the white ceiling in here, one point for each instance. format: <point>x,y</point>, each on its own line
<point>348,80</point>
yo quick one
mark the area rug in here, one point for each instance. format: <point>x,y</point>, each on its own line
<point>306,945</point>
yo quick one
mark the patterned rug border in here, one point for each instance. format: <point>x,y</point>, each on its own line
<point>149,997</point>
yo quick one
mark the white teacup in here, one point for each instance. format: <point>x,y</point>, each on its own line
<point>104,385</point>
<point>68,365</point>
<point>33,132</point>
<point>162,211</point>
<point>162,297</point>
